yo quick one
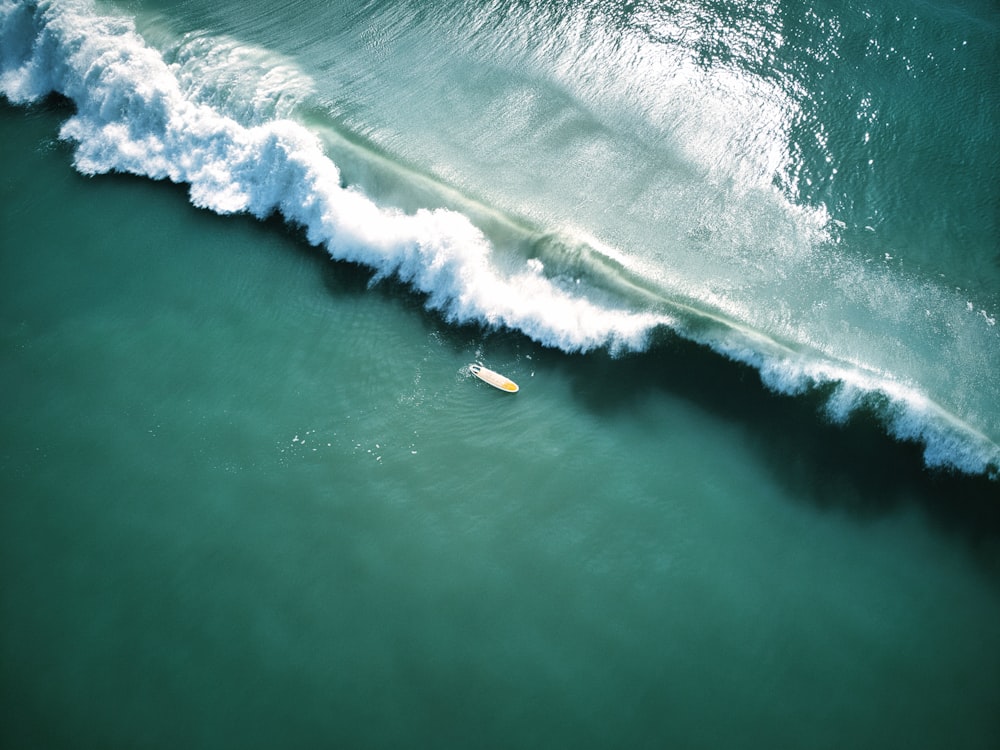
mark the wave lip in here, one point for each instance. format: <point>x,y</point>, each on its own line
<point>909,416</point>
<point>133,115</point>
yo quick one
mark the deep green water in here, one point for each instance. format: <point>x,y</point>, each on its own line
<point>250,502</point>
<point>250,495</point>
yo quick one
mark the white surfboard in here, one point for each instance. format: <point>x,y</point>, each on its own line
<point>494,378</point>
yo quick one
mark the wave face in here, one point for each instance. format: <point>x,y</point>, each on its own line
<point>747,176</point>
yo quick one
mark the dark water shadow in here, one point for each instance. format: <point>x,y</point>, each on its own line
<point>856,468</point>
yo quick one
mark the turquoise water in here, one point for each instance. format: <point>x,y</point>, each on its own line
<point>251,498</point>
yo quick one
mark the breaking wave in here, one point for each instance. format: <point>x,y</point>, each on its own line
<point>147,113</point>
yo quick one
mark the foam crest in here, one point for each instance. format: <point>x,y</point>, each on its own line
<point>133,116</point>
<point>909,416</point>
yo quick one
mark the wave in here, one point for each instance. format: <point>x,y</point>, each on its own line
<point>142,112</point>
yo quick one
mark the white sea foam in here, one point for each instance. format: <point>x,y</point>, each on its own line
<point>134,115</point>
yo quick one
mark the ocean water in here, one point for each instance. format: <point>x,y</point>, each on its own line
<point>742,259</point>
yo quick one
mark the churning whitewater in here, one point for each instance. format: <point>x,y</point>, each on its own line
<point>142,111</point>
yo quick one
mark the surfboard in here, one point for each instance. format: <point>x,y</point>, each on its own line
<point>494,378</point>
